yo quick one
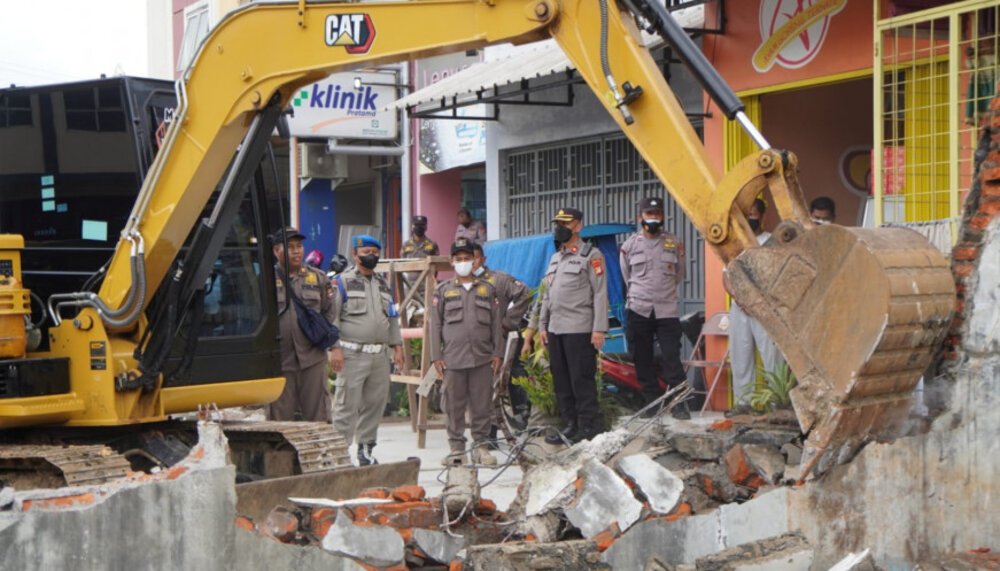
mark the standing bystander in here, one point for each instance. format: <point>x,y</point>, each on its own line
<point>468,228</point>
<point>366,315</point>
<point>652,263</point>
<point>572,324</point>
<point>302,364</point>
<point>465,346</point>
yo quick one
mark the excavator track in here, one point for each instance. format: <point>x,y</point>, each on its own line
<point>46,466</point>
<point>317,446</point>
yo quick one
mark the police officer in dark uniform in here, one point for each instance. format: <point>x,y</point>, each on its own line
<point>465,346</point>
<point>419,245</point>
<point>652,263</point>
<point>302,364</point>
<point>572,324</point>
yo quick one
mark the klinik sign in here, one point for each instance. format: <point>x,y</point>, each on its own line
<point>346,106</point>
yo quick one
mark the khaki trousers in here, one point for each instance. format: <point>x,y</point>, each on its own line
<point>305,390</point>
<point>360,393</point>
<point>472,390</point>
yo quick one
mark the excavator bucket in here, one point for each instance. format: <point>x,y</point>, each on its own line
<point>858,314</point>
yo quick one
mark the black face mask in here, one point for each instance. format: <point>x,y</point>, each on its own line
<point>368,262</point>
<point>754,223</point>
<point>562,234</point>
<point>418,231</point>
<point>652,226</point>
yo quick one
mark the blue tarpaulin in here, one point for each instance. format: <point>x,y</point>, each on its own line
<point>527,258</point>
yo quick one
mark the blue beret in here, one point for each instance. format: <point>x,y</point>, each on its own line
<point>365,240</point>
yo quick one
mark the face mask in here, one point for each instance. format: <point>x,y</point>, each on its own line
<point>463,269</point>
<point>467,224</point>
<point>418,231</point>
<point>754,223</point>
<point>562,234</point>
<point>479,271</point>
<point>368,262</point>
<point>652,225</point>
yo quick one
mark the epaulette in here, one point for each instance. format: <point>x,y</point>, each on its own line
<point>586,249</point>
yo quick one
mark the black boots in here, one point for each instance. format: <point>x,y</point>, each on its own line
<point>568,432</point>
<point>365,455</point>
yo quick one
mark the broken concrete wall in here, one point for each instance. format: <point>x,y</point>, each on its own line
<point>181,518</point>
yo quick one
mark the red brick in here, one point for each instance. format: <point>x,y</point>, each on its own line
<point>604,539</point>
<point>989,205</point>
<point>319,514</point>
<point>375,493</point>
<point>358,513</point>
<point>426,518</point>
<point>243,522</point>
<point>399,507</point>
<point>990,188</point>
<point>681,511</point>
<point>722,424</point>
<point>965,253</point>
<point>60,502</point>
<point>397,568</point>
<point>406,533</point>
<point>959,305</point>
<point>736,465</point>
<point>486,506</point>
<point>962,270</point>
<point>455,566</point>
<point>755,482</point>
<point>708,484</point>
<point>980,221</point>
<point>408,494</point>
<point>957,321</point>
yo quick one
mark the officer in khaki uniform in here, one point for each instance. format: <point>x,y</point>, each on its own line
<point>652,263</point>
<point>364,311</point>
<point>302,364</point>
<point>513,295</point>
<point>572,324</point>
<point>419,245</point>
<point>465,346</point>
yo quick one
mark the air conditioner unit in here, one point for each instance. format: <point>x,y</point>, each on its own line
<point>315,162</point>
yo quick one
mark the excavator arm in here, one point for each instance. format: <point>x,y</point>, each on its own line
<point>847,347</point>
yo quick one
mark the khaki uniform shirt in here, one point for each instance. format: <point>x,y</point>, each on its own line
<point>476,232</point>
<point>576,296</point>
<point>513,295</point>
<point>419,248</point>
<point>313,288</point>
<point>364,316</point>
<point>653,269</point>
<point>465,328</point>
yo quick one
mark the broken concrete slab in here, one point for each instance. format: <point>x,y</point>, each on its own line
<point>603,498</point>
<point>701,445</point>
<point>254,552</point>
<point>461,491</point>
<point>792,452</point>
<point>775,436</point>
<point>438,545</point>
<point>787,552</point>
<point>862,561</point>
<point>767,461</point>
<point>578,555</point>
<point>660,487</point>
<point>545,485</point>
<point>675,542</point>
<point>375,545</point>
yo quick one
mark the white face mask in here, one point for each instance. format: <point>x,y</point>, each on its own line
<point>479,271</point>
<point>463,269</point>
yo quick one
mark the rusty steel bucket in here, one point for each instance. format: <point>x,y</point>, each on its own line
<point>859,315</point>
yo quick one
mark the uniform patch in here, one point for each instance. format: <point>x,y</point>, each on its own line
<point>434,301</point>
<point>481,291</point>
<point>278,283</point>
<point>680,248</point>
<point>451,293</point>
<point>311,279</point>
<point>429,247</point>
<point>669,243</point>
<point>408,249</point>
<point>598,266</point>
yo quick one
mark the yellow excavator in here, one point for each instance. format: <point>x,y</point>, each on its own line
<point>857,357</point>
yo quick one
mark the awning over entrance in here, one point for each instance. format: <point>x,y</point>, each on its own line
<point>514,77</point>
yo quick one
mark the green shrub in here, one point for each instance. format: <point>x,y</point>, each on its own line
<point>772,389</point>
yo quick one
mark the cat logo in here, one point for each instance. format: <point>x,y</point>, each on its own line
<point>355,32</point>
